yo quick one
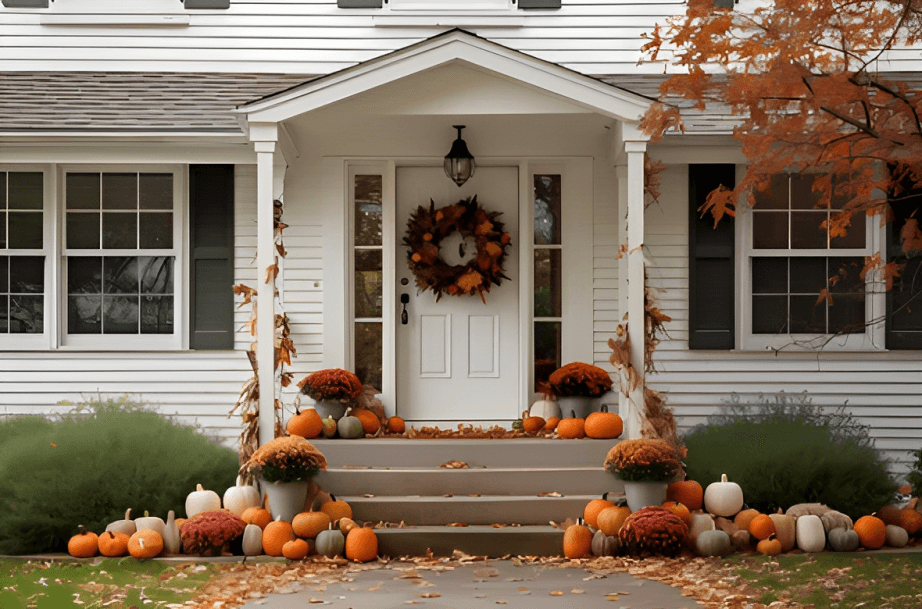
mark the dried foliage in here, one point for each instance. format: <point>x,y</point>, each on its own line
<point>653,530</point>
<point>211,533</point>
<point>285,459</point>
<point>579,379</point>
<point>643,459</point>
<point>333,384</point>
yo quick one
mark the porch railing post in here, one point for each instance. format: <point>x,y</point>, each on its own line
<point>635,278</point>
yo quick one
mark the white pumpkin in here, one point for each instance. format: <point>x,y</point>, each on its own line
<point>252,540</point>
<point>126,526</point>
<point>896,536</point>
<point>172,542</point>
<point>545,409</point>
<point>201,500</point>
<point>699,524</point>
<point>240,497</point>
<point>152,523</point>
<point>723,498</point>
<point>811,536</point>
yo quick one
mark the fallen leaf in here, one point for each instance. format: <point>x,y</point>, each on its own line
<point>369,495</point>
<point>551,494</point>
<point>576,591</point>
<point>457,524</point>
<point>557,593</point>
<point>611,597</point>
<point>430,595</point>
<point>474,495</point>
<point>454,465</point>
<point>523,589</point>
<point>315,600</point>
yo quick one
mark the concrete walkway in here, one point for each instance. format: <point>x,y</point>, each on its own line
<point>495,583</point>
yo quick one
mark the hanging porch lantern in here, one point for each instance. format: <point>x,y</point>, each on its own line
<point>459,162</point>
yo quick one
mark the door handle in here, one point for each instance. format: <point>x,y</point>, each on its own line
<point>404,316</point>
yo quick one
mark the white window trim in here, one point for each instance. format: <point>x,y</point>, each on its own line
<point>872,339</point>
<point>115,12</point>
<point>125,342</point>
<point>34,342</point>
<point>449,6</point>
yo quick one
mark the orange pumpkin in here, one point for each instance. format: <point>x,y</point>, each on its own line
<point>872,532</point>
<point>604,425</point>
<point>680,510</point>
<point>687,492</point>
<point>743,519</point>
<point>336,510</point>
<point>306,424</point>
<point>310,524</point>
<point>572,428</point>
<point>890,514</point>
<point>532,425</point>
<point>592,509</point>
<point>113,543</point>
<point>910,520</point>
<point>257,515</point>
<point>396,425</point>
<point>611,519</point>
<point>551,424</point>
<point>361,545</point>
<point>84,544</point>
<point>296,549</point>
<point>762,527</point>
<point>368,419</point>
<point>577,541</point>
<point>770,546</point>
<point>276,534</point>
<point>145,543</point>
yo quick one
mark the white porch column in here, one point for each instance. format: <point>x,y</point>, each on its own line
<point>264,136</point>
<point>635,276</point>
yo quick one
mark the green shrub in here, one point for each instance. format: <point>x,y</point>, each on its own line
<point>90,465</point>
<point>783,450</point>
<point>915,476</point>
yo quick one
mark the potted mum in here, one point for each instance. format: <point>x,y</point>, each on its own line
<point>285,467</point>
<point>577,385</point>
<point>333,390</point>
<point>646,466</point>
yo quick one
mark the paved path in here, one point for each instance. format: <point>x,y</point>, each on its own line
<point>496,583</point>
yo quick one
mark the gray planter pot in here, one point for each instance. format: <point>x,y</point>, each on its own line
<point>333,409</point>
<point>641,494</point>
<point>286,499</point>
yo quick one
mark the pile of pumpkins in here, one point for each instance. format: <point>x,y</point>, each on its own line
<point>718,523</point>
<point>357,423</point>
<point>544,419</point>
<point>329,531</point>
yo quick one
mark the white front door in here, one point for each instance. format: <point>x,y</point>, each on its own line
<point>458,359</point>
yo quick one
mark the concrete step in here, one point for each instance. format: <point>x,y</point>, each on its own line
<point>474,540</point>
<point>485,481</point>
<point>485,510</point>
<point>514,453</point>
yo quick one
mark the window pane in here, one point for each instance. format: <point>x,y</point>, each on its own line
<point>27,314</point>
<point>855,237</point>
<point>156,231</point>
<point>84,314</point>
<point>156,315</point>
<point>82,191</point>
<point>2,190</point>
<point>119,191</point>
<point>847,273</point>
<point>120,275</point>
<point>2,229</point>
<point>156,274</point>
<point>769,275</point>
<point>4,314</point>
<point>156,191</point>
<point>120,315</point>
<point>547,351</point>
<point>770,230</point>
<point>802,194</point>
<point>808,317</point>
<point>846,314</point>
<point>368,283</point>
<point>4,274</point>
<point>368,210</point>
<point>808,275</point>
<point>25,191</point>
<point>119,231</point>
<point>769,314</point>
<point>547,283</point>
<point>83,231</point>
<point>27,274</point>
<point>547,209</point>
<point>807,231</point>
<point>368,350</point>
<point>776,197</point>
<point>25,230</point>
<point>84,275</point>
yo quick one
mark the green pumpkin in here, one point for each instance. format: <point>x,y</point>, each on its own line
<point>330,543</point>
<point>605,545</point>
<point>843,540</point>
<point>713,543</point>
<point>350,427</point>
<point>252,540</point>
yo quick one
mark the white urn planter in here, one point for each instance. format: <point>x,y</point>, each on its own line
<point>330,409</point>
<point>578,406</point>
<point>286,499</point>
<point>643,493</point>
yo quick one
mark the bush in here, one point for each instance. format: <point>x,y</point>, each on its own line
<point>90,465</point>
<point>915,476</point>
<point>783,450</point>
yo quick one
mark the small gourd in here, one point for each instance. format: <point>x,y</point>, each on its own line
<point>113,544</point>
<point>126,526</point>
<point>330,543</point>
<point>769,546</point>
<point>811,536</point>
<point>350,427</point>
<point>347,524</point>
<point>843,540</point>
<point>577,541</point>
<point>572,427</point>
<point>145,544</point>
<point>201,500</point>
<point>897,537</point>
<point>84,544</point>
<point>329,427</point>
<point>252,540</point>
<point>172,540</point>
<point>296,549</point>
<point>699,524</point>
<point>605,545</point>
<point>785,531</point>
<point>532,424</point>
<point>240,497</point>
<point>713,543</point>
<point>723,498</point>
<point>546,409</point>
<point>152,523</point>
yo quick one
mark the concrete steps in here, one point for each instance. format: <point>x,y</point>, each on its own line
<point>522,482</point>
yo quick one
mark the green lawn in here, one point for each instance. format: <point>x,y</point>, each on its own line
<point>102,582</point>
<point>881,581</point>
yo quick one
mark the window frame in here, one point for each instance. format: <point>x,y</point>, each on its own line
<point>873,337</point>
<point>178,339</point>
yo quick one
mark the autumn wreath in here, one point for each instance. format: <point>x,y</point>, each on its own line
<point>426,230</point>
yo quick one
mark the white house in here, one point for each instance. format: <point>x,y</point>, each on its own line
<point>142,144</point>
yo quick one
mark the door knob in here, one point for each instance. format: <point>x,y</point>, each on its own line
<point>404,316</point>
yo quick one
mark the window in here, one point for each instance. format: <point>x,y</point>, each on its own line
<point>446,6</point>
<point>22,258</point>
<point>548,308</point>
<point>368,273</point>
<point>904,300</point>
<point>790,260</point>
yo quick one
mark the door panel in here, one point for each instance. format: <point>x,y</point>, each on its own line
<point>457,359</point>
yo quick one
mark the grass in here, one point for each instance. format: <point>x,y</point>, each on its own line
<point>102,582</point>
<point>832,580</point>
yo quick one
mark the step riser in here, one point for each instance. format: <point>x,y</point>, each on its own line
<point>402,543</point>
<point>425,511</point>
<point>465,481</point>
<point>522,452</point>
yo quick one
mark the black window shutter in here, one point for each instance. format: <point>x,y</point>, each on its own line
<point>211,214</point>
<point>359,3</point>
<point>711,273</point>
<point>25,3</point>
<point>539,3</point>
<point>904,300</point>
